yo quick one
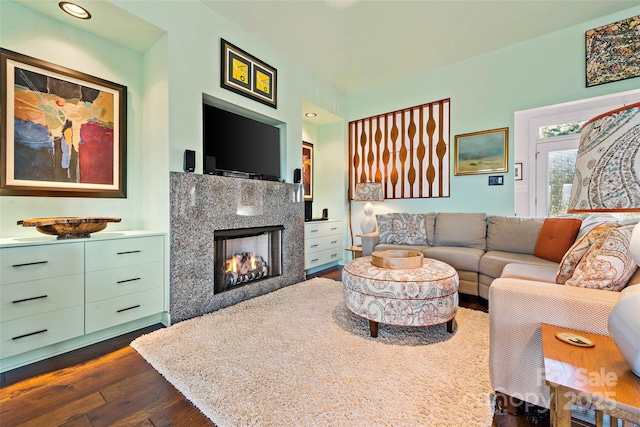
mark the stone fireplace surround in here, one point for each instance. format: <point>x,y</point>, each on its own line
<point>202,204</point>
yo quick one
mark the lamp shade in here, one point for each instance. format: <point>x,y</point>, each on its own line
<point>369,192</point>
<point>607,174</point>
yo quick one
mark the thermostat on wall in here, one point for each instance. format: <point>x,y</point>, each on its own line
<point>496,180</point>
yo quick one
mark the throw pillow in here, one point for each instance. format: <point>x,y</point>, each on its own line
<point>556,237</point>
<point>409,229</point>
<point>608,264</point>
<point>385,228</point>
<point>575,253</point>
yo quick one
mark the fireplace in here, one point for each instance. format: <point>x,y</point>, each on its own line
<point>245,256</point>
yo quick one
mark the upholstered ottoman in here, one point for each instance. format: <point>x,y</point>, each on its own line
<point>404,297</point>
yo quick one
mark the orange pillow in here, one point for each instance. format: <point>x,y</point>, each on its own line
<point>556,237</point>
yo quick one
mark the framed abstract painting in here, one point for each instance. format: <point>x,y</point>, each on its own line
<point>612,52</point>
<point>307,170</point>
<point>63,131</point>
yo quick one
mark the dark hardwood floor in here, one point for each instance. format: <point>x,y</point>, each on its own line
<point>109,384</point>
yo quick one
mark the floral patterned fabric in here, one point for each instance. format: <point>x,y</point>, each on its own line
<point>575,253</point>
<point>608,264</point>
<point>403,229</point>
<point>405,297</point>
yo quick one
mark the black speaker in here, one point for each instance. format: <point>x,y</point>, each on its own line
<point>210,165</point>
<point>325,213</point>
<point>308,210</point>
<point>297,175</point>
<point>189,160</point>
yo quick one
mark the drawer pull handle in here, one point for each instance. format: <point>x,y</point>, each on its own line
<point>28,299</point>
<point>334,241</point>
<point>334,255</point>
<point>128,252</point>
<point>314,246</point>
<point>29,334</point>
<point>29,263</point>
<point>314,260</point>
<point>313,231</point>
<point>128,308</point>
<point>128,280</point>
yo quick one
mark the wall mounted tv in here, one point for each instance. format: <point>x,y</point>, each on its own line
<point>241,146</point>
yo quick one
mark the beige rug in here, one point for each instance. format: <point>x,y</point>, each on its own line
<point>299,357</point>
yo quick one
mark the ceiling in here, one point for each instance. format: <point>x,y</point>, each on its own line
<point>356,45</point>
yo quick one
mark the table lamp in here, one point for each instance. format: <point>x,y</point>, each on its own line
<point>368,192</point>
<point>607,179</point>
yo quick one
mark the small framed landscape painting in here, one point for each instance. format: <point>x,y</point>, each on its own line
<point>63,131</point>
<point>246,75</point>
<point>517,172</point>
<point>481,152</point>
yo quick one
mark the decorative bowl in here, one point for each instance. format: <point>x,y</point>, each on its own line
<point>69,227</point>
<point>397,259</point>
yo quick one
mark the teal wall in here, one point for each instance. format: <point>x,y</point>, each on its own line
<point>166,85</point>
<point>485,92</point>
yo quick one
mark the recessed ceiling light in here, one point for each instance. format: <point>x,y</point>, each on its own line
<point>311,115</point>
<point>74,10</point>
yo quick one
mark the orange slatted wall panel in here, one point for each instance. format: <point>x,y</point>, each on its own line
<point>407,150</point>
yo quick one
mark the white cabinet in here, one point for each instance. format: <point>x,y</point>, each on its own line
<point>322,243</point>
<point>55,293</point>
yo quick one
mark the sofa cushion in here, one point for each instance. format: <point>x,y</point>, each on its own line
<point>385,228</point>
<point>406,228</point>
<point>556,237</point>
<point>608,264</point>
<point>513,234</point>
<point>409,229</point>
<point>538,273</point>
<point>462,259</point>
<point>575,253</point>
<point>589,222</point>
<point>493,262</point>
<point>461,229</point>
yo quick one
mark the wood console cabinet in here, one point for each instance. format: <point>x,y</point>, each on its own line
<point>57,295</point>
<point>322,243</point>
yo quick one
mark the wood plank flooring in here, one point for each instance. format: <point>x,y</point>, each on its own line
<point>109,384</point>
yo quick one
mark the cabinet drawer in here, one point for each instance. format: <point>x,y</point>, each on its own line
<point>322,228</point>
<point>125,280</point>
<point>315,259</point>
<point>41,330</point>
<point>40,296</point>
<point>28,263</point>
<point>321,243</point>
<point>102,255</point>
<point>114,311</point>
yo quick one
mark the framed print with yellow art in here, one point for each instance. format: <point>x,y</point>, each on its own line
<point>247,75</point>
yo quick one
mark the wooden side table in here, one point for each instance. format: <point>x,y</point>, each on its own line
<point>356,250</point>
<point>596,378</point>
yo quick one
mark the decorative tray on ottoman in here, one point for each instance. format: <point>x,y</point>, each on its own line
<point>397,259</point>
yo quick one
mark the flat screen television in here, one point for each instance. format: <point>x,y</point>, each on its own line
<point>240,146</point>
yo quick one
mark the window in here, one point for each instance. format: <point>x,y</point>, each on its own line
<point>546,140</point>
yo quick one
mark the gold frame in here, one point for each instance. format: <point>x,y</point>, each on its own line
<point>307,170</point>
<point>477,161</point>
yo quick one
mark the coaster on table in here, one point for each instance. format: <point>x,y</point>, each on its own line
<point>573,339</point>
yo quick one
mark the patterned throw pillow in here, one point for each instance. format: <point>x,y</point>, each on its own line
<point>409,229</point>
<point>575,253</point>
<point>385,228</point>
<point>608,264</point>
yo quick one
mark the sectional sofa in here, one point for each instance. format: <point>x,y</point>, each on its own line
<point>495,257</point>
<point>476,245</point>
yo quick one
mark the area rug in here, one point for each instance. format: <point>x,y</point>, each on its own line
<point>299,357</point>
